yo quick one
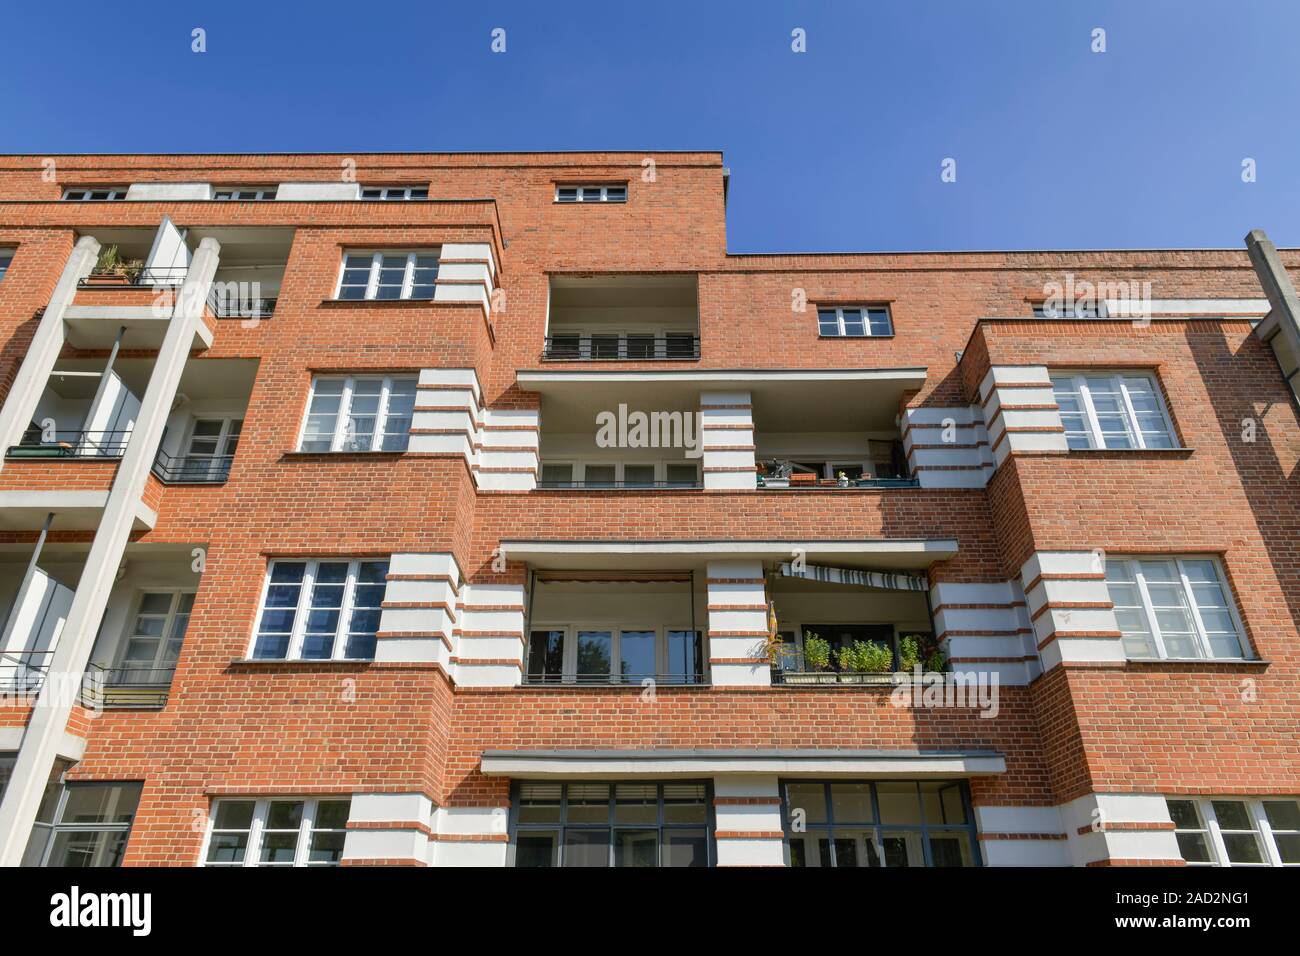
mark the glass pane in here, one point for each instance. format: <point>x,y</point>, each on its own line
<point>278,849</point>
<point>901,849</point>
<point>685,803</point>
<point>586,848</point>
<point>1194,847</point>
<point>898,803</point>
<point>851,803</point>
<point>942,803</point>
<point>536,848</point>
<point>950,849</point>
<point>636,803</point>
<point>588,803</point>
<point>227,847</point>
<point>101,803</point>
<point>539,803</point>
<point>325,848</point>
<point>810,798</point>
<point>546,654</point>
<point>1282,814</point>
<point>94,848</point>
<point>595,654</point>
<point>1288,846</point>
<point>1184,815</point>
<point>284,815</point>
<point>332,814</point>
<point>636,655</point>
<point>685,657</point>
<point>684,475</point>
<point>639,848</point>
<point>234,815</point>
<point>639,475</point>
<point>557,474</point>
<point>853,322</point>
<point>1243,848</point>
<point>685,848</point>
<point>828,322</point>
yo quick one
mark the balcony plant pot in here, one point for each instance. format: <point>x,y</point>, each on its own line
<point>111,278</point>
<point>776,482</point>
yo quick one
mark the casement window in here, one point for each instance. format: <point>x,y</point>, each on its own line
<point>95,194</point>
<point>319,610</point>
<point>591,193</point>
<point>211,449</point>
<point>82,824</point>
<point>1237,831</point>
<point>1174,608</point>
<point>1112,411</point>
<point>633,346</point>
<point>277,832</point>
<point>854,321</point>
<point>1077,310</point>
<point>6,257</point>
<point>578,654</point>
<point>6,770</point>
<point>662,474</point>
<point>154,642</point>
<point>245,193</point>
<point>395,192</point>
<point>359,413</point>
<point>880,823</point>
<point>388,275</point>
<point>628,823</point>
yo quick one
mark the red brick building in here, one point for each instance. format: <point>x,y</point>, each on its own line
<point>442,509</point>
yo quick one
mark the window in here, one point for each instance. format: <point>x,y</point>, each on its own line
<point>394,192</point>
<point>855,322</point>
<point>1236,831</point>
<point>1112,411</point>
<point>639,474</point>
<point>95,194</point>
<point>321,610</point>
<point>577,654</point>
<point>154,642</point>
<point>6,257</point>
<point>293,832</point>
<point>211,449</point>
<point>245,193</point>
<point>894,823</point>
<point>1174,607</point>
<point>359,413</point>
<point>1082,309</point>
<point>388,275</point>
<point>6,770</point>
<point>591,193</point>
<point>612,824</point>
<point>82,824</point>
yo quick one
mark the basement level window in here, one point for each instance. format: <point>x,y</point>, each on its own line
<point>96,194</point>
<point>278,832</point>
<point>320,610</point>
<point>1235,831</point>
<point>592,193</point>
<point>245,194</point>
<point>359,413</point>
<point>1175,608</point>
<point>6,257</point>
<point>1112,411</point>
<point>855,321</point>
<point>1075,310</point>
<point>395,192</point>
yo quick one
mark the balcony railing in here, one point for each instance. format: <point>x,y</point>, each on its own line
<point>129,687</point>
<point>192,469</point>
<point>23,672</point>
<point>621,680</point>
<point>620,347</point>
<point>834,484</point>
<point>71,444</point>
<point>238,307</point>
<point>786,678</point>
<point>615,485</point>
<point>146,278</point>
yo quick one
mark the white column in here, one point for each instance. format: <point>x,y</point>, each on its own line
<point>1070,607</point>
<point>1021,412</point>
<point>747,820</point>
<point>54,705</point>
<point>947,447</point>
<point>418,620</point>
<point>1120,828</point>
<point>490,636</point>
<point>738,624</point>
<point>25,393</point>
<point>727,440</point>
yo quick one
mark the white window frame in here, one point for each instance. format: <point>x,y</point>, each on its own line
<point>1263,830</point>
<point>216,461</point>
<point>244,193</point>
<point>298,632</point>
<point>569,665</point>
<point>866,321</point>
<point>6,260</point>
<point>261,809</point>
<point>1202,637</point>
<point>372,281</point>
<point>345,413</point>
<point>1039,311</point>
<point>169,620</point>
<point>601,190</point>
<point>393,193</point>
<point>85,193</point>
<point>1079,383</point>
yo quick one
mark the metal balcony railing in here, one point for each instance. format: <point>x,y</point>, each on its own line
<point>629,347</point>
<point>833,484</point>
<point>239,307</point>
<point>129,687</point>
<point>70,444</point>
<point>147,278</point>
<point>622,680</point>
<point>615,485</point>
<point>23,672</point>
<point>192,469</point>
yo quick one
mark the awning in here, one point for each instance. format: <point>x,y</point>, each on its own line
<point>863,579</point>
<point>628,764</point>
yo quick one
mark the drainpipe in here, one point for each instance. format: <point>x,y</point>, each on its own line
<point>1283,320</point>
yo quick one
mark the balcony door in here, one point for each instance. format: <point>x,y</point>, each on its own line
<point>211,448</point>
<point>843,635</point>
<point>154,640</point>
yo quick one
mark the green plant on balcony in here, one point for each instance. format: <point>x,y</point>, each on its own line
<point>816,652</point>
<point>865,657</point>
<point>909,653</point>
<point>936,662</point>
<point>111,263</point>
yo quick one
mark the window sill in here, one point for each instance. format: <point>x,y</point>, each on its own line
<point>299,662</point>
<point>375,303</point>
<point>1191,663</point>
<point>1180,451</point>
<point>379,453</point>
<point>841,338</point>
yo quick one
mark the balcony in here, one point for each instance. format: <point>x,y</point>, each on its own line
<point>622,318</point>
<point>825,473</point>
<point>22,677</point>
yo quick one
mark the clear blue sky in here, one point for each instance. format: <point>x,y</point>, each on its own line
<point>838,148</point>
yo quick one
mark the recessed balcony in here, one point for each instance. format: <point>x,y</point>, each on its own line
<point>622,318</point>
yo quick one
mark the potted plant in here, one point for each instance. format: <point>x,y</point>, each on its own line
<point>909,653</point>
<point>112,269</point>
<point>861,662</point>
<point>816,657</point>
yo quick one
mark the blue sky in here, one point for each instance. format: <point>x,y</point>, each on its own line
<point>838,148</point>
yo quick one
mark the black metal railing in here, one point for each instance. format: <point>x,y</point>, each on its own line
<point>128,687</point>
<point>620,347</point>
<point>787,678</point>
<point>835,484</point>
<point>70,444</point>
<point>225,306</point>
<point>621,680</point>
<point>615,485</point>
<point>192,469</point>
<point>149,278</point>
<point>23,672</point>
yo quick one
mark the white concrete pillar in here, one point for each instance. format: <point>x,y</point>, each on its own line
<point>1070,607</point>
<point>20,404</point>
<point>738,624</point>
<point>421,602</point>
<point>747,820</point>
<point>1021,413</point>
<point>727,440</point>
<point>50,714</point>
